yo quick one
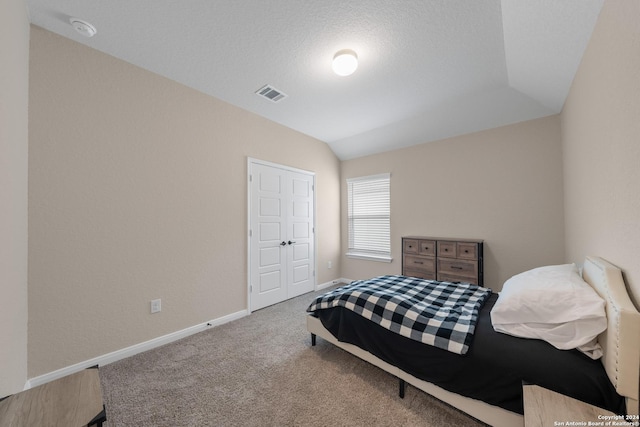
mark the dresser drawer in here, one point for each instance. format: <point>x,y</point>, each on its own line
<point>443,277</point>
<point>458,267</point>
<point>420,274</point>
<point>467,250</point>
<point>426,264</point>
<point>427,247</point>
<point>413,262</point>
<point>447,249</point>
<point>410,246</point>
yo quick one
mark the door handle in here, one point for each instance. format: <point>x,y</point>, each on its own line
<point>290,242</point>
<point>283,243</point>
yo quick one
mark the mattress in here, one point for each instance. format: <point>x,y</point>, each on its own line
<point>494,368</point>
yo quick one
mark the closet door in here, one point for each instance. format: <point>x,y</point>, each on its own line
<point>300,242</point>
<point>267,255</point>
<point>281,234</point>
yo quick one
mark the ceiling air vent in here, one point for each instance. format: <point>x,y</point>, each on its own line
<point>271,93</point>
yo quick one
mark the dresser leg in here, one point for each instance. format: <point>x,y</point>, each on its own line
<point>401,388</point>
<point>313,340</point>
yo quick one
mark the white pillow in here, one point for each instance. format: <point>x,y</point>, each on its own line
<point>553,304</point>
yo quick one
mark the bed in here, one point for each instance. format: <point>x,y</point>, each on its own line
<point>617,370</point>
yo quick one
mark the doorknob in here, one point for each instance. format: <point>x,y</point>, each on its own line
<point>290,242</point>
<point>283,243</point>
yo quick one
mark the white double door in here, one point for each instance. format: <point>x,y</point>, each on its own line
<point>281,233</point>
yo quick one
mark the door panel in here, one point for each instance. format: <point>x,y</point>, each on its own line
<point>300,259</point>
<point>270,207</point>
<point>270,281</point>
<point>270,231</point>
<point>301,187</point>
<point>300,252</point>
<point>270,183</point>
<point>301,209</point>
<point>301,230</point>
<point>268,228</point>
<point>301,274</point>
<point>269,256</point>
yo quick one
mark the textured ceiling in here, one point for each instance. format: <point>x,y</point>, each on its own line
<point>429,69</point>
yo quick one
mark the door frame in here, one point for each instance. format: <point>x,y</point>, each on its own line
<point>250,162</point>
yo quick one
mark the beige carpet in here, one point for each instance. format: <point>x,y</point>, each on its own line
<point>262,371</point>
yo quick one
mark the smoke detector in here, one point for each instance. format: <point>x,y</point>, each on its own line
<point>83,27</point>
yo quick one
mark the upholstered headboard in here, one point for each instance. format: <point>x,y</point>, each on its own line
<point>621,341</point>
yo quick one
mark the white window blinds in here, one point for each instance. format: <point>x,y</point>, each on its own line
<point>369,212</point>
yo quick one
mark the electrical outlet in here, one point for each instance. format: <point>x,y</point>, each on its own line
<point>156,305</point>
<point>329,264</point>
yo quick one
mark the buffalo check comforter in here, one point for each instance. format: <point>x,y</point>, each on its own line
<point>441,314</point>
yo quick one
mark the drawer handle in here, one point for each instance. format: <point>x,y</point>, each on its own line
<point>466,251</point>
<point>418,262</point>
<point>455,267</point>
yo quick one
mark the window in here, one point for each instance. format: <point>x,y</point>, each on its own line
<point>368,217</point>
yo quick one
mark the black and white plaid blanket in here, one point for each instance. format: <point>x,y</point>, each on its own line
<point>441,314</point>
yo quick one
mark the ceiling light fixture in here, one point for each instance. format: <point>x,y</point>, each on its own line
<point>345,62</point>
<point>83,27</point>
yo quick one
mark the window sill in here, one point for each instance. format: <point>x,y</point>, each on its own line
<point>369,257</point>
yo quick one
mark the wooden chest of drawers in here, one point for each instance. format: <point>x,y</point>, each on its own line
<point>436,258</point>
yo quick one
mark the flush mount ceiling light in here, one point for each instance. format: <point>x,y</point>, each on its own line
<point>83,27</point>
<point>345,62</point>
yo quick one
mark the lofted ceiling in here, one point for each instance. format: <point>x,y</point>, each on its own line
<point>428,69</point>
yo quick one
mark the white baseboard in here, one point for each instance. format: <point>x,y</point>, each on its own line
<point>334,282</point>
<point>114,356</point>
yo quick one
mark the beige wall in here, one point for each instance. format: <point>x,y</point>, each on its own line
<point>137,191</point>
<point>601,144</point>
<point>14,95</point>
<point>503,185</point>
